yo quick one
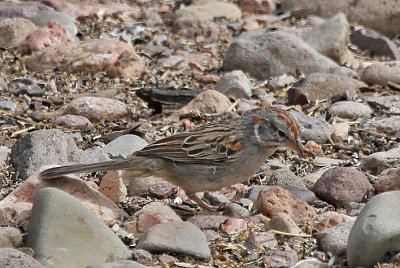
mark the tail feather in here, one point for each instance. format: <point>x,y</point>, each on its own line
<point>108,165</point>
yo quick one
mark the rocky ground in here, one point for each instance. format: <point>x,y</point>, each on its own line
<point>87,81</point>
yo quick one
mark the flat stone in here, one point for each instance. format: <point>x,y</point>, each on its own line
<point>381,73</point>
<point>43,147</point>
<point>266,54</point>
<point>182,238</point>
<point>377,162</point>
<point>97,109</point>
<point>280,258</point>
<point>64,233</point>
<point>88,57</point>
<point>72,121</point>
<point>119,264</point>
<point>208,220</point>
<point>234,225</point>
<point>7,105</point>
<point>125,145</point>
<point>375,233</point>
<point>330,219</point>
<point>210,9</point>
<point>263,239</point>
<point>350,109</point>
<point>389,126</point>
<point>194,28</point>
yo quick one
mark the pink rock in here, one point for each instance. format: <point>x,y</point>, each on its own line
<point>151,214</point>
<point>97,109</point>
<point>234,225</point>
<point>50,35</point>
<point>113,187</point>
<point>185,60</point>
<point>88,57</point>
<point>388,180</point>
<point>210,101</point>
<point>15,209</point>
<point>84,10</point>
<point>263,239</point>
<point>13,31</point>
<point>162,190</point>
<point>70,120</point>
<point>329,219</point>
<point>287,258</point>
<point>342,185</point>
<point>274,200</point>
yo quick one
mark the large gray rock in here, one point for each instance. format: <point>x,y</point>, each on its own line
<point>65,21</point>
<point>43,147</point>
<point>376,232</point>
<point>234,84</point>
<point>64,233</point>
<point>178,237</point>
<point>330,38</point>
<point>13,258</point>
<point>125,145</point>
<point>265,54</point>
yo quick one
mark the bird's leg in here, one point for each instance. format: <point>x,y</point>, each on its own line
<point>204,205</point>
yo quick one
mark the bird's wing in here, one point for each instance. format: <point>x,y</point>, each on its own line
<point>210,144</point>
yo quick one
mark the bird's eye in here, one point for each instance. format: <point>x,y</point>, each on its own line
<point>281,133</point>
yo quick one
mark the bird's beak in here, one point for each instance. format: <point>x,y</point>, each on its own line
<point>296,146</point>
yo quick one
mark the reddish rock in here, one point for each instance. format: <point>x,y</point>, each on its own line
<point>263,239</point>
<point>88,57</point>
<point>342,185</point>
<point>287,258</point>
<point>15,209</point>
<point>234,225</point>
<point>210,101</point>
<point>84,10</point>
<point>162,190</point>
<point>388,180</point>
<point>97,109</point>
<point>151,214</point>
<point>48,36</point>
<point>274,200</point>
<point>257,6</point>
<point>113,187</point>
<point>329,219</point>
<point>70,120</point>
<point>13,31</point>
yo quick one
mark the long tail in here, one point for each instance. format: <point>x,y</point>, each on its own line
<point>108,165</point>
